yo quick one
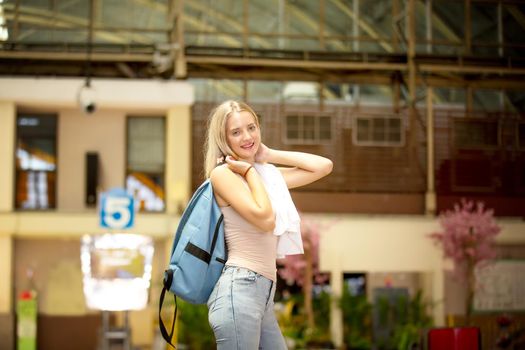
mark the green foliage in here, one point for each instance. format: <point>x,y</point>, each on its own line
<point>293,321</point>
<point>357,320</point>
<point>408,331</point>
<point>321,306</point>
<point>193,327</point>
<point>405,318</point>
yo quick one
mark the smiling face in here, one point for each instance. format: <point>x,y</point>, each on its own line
<point>243,135</point>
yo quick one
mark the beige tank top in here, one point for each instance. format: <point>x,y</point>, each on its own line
<point>248,246</point>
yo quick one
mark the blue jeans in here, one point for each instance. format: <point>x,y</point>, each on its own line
<point>240,312</point>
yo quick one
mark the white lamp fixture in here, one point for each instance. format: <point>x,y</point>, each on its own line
<point>86,98</point>
<point>116,271</point>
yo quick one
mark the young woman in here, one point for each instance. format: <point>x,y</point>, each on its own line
<point>241,309</point>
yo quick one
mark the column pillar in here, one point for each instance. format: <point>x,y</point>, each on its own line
<point>6,268</point>
<point>178,158</point>
<point>432,286</point>
<point>7,316</point>
<point>336,315</point>
<point>430,196</point>
<point>438,297</point>
<point>7,155</point>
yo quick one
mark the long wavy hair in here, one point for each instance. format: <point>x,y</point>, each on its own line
<point>216,144</point>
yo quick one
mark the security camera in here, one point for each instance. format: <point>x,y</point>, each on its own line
<point>86,99</point>
<point>89,107</point>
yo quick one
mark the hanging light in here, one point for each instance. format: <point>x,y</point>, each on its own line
<point>86,98</point>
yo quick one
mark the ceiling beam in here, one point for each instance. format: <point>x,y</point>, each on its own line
<point>126,70</point>
<point>517,14</point>
<point>438,22</point>
<point>75,56</point>
<point>53,20</point>
<point>307,64</point>
<point>367,28</point>
<point>223,18</point>
<point>449,68</point>
<point>310,22</point>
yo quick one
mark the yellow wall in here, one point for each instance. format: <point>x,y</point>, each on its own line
<point>29,232</point>
<point>7,154</point>
<point>103,132</point>
<point>6,257</point>
<point>178,158</point>
<point>74,225</point>
<point>391,244</point>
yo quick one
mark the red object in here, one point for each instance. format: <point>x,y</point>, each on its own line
<point>461,338</point>
<point>26,295</point>
<point>504,321</point>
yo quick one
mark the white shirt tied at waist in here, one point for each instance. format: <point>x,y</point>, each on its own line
<point>287,220</point>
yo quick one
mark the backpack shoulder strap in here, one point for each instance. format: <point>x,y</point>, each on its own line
<point>167,336</point>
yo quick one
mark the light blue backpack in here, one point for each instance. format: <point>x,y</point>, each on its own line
<point>198,253</point>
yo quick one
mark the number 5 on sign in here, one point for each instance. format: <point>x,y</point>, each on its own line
<point>116,209</point>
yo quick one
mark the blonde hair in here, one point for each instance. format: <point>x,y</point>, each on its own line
<point>216,144</point>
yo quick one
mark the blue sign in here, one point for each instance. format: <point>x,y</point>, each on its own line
<point>117,209</point>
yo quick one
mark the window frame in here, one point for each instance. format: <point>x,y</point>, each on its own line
<point>128,170</point>
<point>456,120</point>
<point>301,139</point>
<point>21,114</point>
<point>374,143</point>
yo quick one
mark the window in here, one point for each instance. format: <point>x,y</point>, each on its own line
<point>264,91</point>
<point>450,96</point>
<point>308,129</point>
<point>146,162</point>
<point>300,92</point>
<point>36,164</point>
<point>209,90</point>
<point>375,94</point>
<point>378,131</point>
<point>487,100</point>
<point>476,133</point>
<point>4,33</point>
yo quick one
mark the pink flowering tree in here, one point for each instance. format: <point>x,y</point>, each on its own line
<point>468,239</point>
<point>303,269</point>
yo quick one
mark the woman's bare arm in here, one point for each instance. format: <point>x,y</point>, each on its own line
<point>251,201</point>
<point>302,168</point>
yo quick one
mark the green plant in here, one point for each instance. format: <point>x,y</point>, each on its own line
<point>193,327</point>
<point>294,323</point>
<point>320,335</point>
<point>357,320</point>
<point>321,305</point>
<point>404,318</point>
